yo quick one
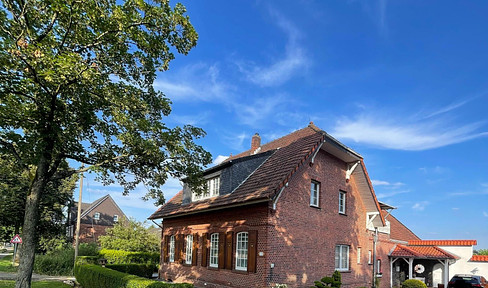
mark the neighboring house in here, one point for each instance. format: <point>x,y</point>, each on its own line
<point>287,212</point>
<point>96,217</point>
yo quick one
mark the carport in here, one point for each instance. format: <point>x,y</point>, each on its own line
<point>429,264</point>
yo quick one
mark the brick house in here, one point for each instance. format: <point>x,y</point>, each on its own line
<point>96,217</point>
<point>287,212</point>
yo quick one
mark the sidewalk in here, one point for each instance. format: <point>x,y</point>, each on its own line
<point>35,277</point>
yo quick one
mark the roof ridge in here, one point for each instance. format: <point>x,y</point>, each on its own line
<point>94,204</point>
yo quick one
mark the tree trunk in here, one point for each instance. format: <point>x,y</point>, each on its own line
<point>24,273</point>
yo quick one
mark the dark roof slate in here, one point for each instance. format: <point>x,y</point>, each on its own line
<point>289,153</point>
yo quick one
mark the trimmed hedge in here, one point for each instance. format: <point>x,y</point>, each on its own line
<point>95,276</point>
<point>413,283</point>
<point>125,257</point>
<point>81,260</point>
<point>142,270</point>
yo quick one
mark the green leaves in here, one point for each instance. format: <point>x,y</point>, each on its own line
<point>129,235</point>
<point>76,82</point>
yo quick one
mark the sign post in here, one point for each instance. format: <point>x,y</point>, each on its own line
<point>16,240</point>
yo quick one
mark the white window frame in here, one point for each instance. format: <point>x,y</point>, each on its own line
<point>242,241</point>
<point>213,188</point>
<point>342,202</point>
<point>189,249</point>
<point>342,258</point>
<point>359,255</point>
<point>314,193</point>
<point>214,250</point>
<point>378,266</point>
<point>370,257</point>
<point>116,218</point>
<point>96,216</point>
<point>171,249</point>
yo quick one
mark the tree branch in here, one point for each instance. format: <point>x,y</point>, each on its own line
<point>48,28</point>
<point>12,149</point>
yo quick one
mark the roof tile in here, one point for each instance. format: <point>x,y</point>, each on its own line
<point>479,258</point>
<point>421,252</point>
<point>442,242</point>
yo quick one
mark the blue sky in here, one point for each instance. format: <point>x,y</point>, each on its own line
<point>403,83</point>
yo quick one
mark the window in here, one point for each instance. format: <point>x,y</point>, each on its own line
<point>116,218</point>
<point>378,267</point>
<point>359,255</point>
<point>214,250</point>
<point>213,187</point>
<point>370,258</point>
<point>342,202</point>
<point>342,257</point>
<point>172,248</point>
<point>96,216</point>
<point>189,249</point>
<point>314,193</point>
<point>241,251</point>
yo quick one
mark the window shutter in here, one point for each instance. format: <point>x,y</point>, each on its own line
<point>166,249</point>
<point>228,251</point>
<point>221,250</point>
<point>252,250</point>
<point>205,249</point>
<point>194,255</point>
<point>179,243</point>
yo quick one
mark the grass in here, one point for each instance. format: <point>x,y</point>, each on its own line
<point>6,265</point>
<point>37,284</point>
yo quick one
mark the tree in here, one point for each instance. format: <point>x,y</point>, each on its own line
<point>129,235</point>
<point>76,82</point>
<point>482,252</point>
<point>14,187</point>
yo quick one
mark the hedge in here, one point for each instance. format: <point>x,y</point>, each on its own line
<point>125,257</point>
<point>413,283</point>
<point>91,276</point>
<point>142,270</point>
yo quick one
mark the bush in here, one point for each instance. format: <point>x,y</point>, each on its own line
<point>88,249</point>
<point>95,276</point>
<point>334,281</point>
<point>59,262</point>
<point>81,260</point>
<point>141,270</point>
<point>413,283</point>
<point>125,257</point>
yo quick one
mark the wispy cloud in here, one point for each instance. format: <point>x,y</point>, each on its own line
<point>386,183</point>
<point>485,213</point>
<point>197,82</point>
<point>236,140</point>
<point>420,206</point>
<point>386,131</point>
<point>434,170</point>
<point>469,193</point>
<point>391,193</point>
<point>261,108</point>
<point>447,108</point>
<point>377,12</point>
<point>281,70</point>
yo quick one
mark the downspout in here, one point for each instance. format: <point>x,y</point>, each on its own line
<point>375,239</point>
<point>278,196</point>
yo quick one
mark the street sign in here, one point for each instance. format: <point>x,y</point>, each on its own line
<point>16,239</point>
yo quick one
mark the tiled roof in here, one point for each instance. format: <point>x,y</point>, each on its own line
<point>398,231</point>
<point>442,242</point>
<point>479,258</point>
<point>421,252</point>
<point>289,153</point>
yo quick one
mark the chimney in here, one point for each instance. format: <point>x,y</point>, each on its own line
<point>255,142</point>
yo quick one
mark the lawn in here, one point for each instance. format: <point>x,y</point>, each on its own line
<point>37,284</point>
<point>6,264</point>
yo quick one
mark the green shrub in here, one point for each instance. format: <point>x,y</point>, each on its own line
<point>413,283</point>
<point>81,260</point>
<point>125,257</point>
<point>88,249</point>
<point>96,276</point>
<point>59,262</point>
<point>334,281</point>
<point>141,270</point>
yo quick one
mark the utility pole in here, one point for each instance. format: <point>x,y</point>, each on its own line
<point>78,218</point>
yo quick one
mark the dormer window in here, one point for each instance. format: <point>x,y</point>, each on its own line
<point>213,187</point>
<point>116,218</point>
<point>96,216</point>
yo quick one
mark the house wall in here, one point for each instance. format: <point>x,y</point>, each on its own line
<point>463,265</point>
<point>303,249</point>
<point>246,218</point>
<point>107,210</point>
<point>90,233</point>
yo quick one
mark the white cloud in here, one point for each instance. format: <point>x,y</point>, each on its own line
<point>281,70</point>
<point>420,206</point>
<point>469,193</point>
<point>236,141</point>
<point>197,82</point>
<point>455,209</point>
<point>434,170</point>
<point>447,108</point>
<point>254,113</point>
<point>386,183</point>
<point>384,131</point>
<point>219,159</point>
<point>391,193</point>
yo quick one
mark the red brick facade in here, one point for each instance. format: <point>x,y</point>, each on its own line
<point>298,240</point>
